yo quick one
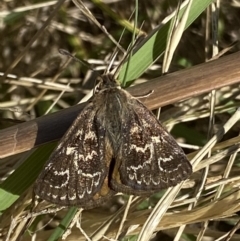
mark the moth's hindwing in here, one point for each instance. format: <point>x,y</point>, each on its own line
<point>148,159</point>
<point>76,173</point>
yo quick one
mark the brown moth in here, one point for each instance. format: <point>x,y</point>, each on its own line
<point>116,144</point>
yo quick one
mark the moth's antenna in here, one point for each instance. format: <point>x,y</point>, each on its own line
<point>85,63</point>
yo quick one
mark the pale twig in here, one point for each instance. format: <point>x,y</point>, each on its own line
<point>73,222</point>
<point>124,216</point>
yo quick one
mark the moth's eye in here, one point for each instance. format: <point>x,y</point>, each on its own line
<point>97,88</point>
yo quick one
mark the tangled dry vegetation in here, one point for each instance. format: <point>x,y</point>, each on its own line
<point>40,81</point>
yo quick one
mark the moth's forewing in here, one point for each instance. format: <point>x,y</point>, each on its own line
<point>148,158</point>
<point>76,173</point>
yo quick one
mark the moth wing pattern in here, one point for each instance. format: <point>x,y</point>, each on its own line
<point>148,159</point>
<point>76,172</point>
<point>116,144</point>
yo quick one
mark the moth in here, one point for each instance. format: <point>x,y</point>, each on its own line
<point>116,144</point>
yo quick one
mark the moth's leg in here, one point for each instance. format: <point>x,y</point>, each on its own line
<point>145,95</point>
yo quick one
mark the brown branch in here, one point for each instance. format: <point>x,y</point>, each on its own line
<point>167,89</point>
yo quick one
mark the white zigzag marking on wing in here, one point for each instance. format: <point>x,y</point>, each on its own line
<point>155,139</point>
<point>90,135</point>
<point>89,156</point>
<point>61,173</point>
<point>70,150</point>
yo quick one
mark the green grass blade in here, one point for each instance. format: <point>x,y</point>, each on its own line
<point>154,45</point>
<point>59,231</point>
<point>24,176</point>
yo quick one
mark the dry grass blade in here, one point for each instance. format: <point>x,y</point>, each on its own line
<point>157,213</point>
<point>175,35</point>
<point>218,136</point>
<point>124,217</point>
<point>19,57</point>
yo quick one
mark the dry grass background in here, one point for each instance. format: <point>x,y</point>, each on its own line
<point>208,203</point>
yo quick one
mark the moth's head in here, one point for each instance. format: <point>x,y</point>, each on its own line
<point>106,81</point>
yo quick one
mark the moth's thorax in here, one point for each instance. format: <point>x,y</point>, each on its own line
<point>112,102</point>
